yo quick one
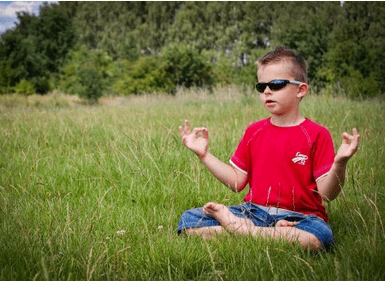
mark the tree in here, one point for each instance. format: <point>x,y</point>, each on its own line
<point>86,73</point>
<point>186,67</point>
<point>308,33</point>
<point>146,75</point>
<point>53,35</point>
<point>35,49</point>
<point>355,56</point>
<point>107,26</point>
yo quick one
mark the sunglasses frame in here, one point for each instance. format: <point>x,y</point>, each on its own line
<point>276,84</point>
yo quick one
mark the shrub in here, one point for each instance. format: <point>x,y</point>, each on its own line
<point>187,67</point>
<point>92,82</point>
<point>145,75</point>
<point>87,73</point>
<point>352,84</point>
<point>24,87</point>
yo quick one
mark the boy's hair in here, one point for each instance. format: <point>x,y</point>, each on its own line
<point>284,54</point>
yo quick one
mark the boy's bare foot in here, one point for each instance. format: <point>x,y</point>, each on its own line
<point>219,212</point>
<point>285,223</point>
<point>228,220</point>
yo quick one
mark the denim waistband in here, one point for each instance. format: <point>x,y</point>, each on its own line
<point>274,210</point>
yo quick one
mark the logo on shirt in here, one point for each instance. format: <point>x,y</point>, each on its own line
<point>300,158</point>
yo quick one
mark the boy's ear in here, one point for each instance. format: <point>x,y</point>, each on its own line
<point>302,90</point>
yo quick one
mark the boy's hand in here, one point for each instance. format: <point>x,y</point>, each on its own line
<point>193,140</point>
<point>348,147</point>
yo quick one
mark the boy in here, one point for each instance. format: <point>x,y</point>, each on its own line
<point>287,160</point>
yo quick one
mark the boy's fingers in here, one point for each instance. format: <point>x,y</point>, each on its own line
<point>196,131</point>
<point>356,135</point>
<point>353,139</point>
<point>186,127</point>
<point>208,206</point>
<point>206,133</point>
<point>346,136</point>
<point>182,133</point>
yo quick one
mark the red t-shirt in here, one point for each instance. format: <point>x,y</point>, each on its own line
<point>284,163</point>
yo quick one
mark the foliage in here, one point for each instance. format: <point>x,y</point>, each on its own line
<point>146,75</point>
<point>353,57</point>
<point>7,77</point>
<point>186,66</point>
<point>36,48</point>
<point>24,87</point>
<point>86,73</point>
<point>91,81</point>
<point>308,33</point>
<point>177,66</point>
<point>107,26</point>
<point>340,40</point>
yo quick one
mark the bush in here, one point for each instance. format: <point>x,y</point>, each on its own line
<point>8,77</point>
<point>356,86</point>
<point>146,75</point>
<point>352,84</point>
<point>42,84</point>
<point>230,69</point>
<point>187,67</point>
<point>92,82</point>
<point>87,73</point>
<point>24,87</point>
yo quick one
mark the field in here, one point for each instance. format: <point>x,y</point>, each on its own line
<point>96,192</point>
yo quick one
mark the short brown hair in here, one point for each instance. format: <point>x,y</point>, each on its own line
<point>284,54</point>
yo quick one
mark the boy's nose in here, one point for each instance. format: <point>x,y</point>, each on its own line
<point>267,91</point>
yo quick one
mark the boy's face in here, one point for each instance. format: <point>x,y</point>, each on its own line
<point>283,101</point>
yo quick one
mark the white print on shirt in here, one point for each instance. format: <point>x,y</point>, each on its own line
<point>300,158</point>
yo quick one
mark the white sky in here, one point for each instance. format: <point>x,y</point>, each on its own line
<point>8,11</point>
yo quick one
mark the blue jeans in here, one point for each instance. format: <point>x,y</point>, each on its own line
<point>263,217</point>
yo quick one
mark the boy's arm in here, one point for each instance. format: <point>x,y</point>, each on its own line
<point>198,141</point>
<point>330,186</point>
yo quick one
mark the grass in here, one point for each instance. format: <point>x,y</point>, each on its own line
<point>96,192</point>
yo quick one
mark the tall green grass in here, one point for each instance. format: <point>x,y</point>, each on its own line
<point>95,193</point>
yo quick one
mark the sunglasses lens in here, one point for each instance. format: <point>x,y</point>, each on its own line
<point>277,84</point>
<point>273,85</point>
<point>261,87</point>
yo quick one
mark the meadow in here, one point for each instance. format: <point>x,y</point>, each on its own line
<point>96,192</point>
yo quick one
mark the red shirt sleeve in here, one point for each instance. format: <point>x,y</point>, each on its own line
<point>241,157</point>
<point>323,154</point>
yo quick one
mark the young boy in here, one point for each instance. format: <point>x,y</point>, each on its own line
<point>287,160</point>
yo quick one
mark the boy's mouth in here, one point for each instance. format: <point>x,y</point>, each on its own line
<point>269,101</point>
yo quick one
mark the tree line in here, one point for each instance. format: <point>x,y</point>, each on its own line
<point>95,48</point>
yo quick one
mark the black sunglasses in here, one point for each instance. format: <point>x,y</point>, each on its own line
<point>275,85</point>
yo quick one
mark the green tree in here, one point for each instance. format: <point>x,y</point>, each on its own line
<point>307,33</point>
<point>35,49</point>
<point>153,33</point>
<point>146,75</point>
<point>14,51</point>
<point>24,87</point>
<point>186,67</point>
<point>91,81</point>
<point>83,70</point>
<point>108,26</point>
<point>52,36</point>
<point>355,52</point>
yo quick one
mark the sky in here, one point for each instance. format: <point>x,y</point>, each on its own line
<point>8,11</point>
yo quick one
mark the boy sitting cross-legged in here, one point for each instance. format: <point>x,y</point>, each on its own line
<point>287,160</point>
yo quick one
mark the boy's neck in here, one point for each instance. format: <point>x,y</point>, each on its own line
<point>287,120</point>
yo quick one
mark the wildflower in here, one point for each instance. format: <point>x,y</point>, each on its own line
<point>121,232</point>
<point>160,227</point>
